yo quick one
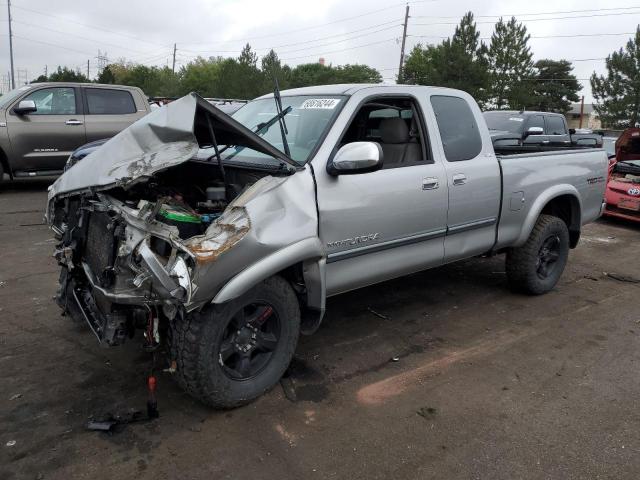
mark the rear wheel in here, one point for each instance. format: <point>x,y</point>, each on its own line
<point>536,267</point>
<point>229,355</point>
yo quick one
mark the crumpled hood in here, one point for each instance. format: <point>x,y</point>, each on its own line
<point>165,138</point>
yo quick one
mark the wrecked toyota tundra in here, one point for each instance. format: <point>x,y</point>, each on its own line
<point>221,237</point>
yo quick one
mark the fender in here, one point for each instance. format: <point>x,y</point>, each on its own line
<point>538,205</point>
<point>309,251</point>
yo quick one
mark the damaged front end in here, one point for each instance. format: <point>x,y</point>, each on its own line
<point>145,233</point>
<point>121,265</point>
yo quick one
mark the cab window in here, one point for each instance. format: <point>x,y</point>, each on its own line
<point>555,126</point>
<point>395,125</point>
<point>458,128</point>
<point>54,101</point>
<point>103,101</point>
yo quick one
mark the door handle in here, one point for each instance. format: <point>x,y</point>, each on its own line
<point>430,183</point>
<point>73,121</point>
<point>459,179</point>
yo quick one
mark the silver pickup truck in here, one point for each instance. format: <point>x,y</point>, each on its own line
<point>222,237</point>
<point>42,123</point>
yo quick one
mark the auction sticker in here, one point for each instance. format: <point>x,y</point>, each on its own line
<point>320,103</point>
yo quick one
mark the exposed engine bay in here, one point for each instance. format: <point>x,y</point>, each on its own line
<point>127,253</point>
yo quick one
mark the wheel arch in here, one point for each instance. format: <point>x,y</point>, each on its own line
<point>302,264</point>
<point>562,201</point>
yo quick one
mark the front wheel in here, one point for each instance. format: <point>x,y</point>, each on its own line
<point>229,355</point>
<point>536,267</point>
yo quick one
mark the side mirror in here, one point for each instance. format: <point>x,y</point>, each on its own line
<point>25,107</point>
<point>534,131</point>
<point>572,131</point>
<point>356,157</point>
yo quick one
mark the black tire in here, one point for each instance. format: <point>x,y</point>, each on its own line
<point>199,339</point>
<point>536,267</point>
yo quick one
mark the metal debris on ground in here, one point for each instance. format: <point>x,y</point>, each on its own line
<point>11,443</point>
<point>288,389</point>
<point>109,423</point>
<point>15,397</point>
<point>384,317</point>
<point>395,358</point>
<point>622,278</point>
<point>426,412</point>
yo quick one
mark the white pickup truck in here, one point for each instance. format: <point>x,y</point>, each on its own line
<point>225,235</point>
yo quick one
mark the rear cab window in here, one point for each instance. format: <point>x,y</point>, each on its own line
<point>106,101</point>
<point>555,125</point>
<point>536,121</point>
<point>458,128</point>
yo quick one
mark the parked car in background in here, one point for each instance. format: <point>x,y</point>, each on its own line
<point>623,186</point>
<point>521,131</point>
<point>42,123</point>
<point>229,256</point>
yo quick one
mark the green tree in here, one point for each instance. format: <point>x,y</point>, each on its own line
<point>201,75</point>
<point>307,74</point>
<point>459,62</point>
<point>617,93</point>
<point>271,68</point>
<point>356,74</point>
<point>106,76</point>
<point>154,81</point>
<point>64,74</point>
<point>510,66</point>
<point>555,87</point>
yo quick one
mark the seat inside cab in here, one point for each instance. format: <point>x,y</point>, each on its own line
<point>394,124</point>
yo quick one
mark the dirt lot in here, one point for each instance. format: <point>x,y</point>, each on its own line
<point>488,384</point>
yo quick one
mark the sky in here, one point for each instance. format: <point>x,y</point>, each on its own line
<point>70,32</point>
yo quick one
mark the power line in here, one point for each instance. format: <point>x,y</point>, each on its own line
<point>77,36</point>
<point>557,12</point>
<point>52,45</point>
<point>337,51</point>
<point>315,27</point>
<point>318,46</point>
<point>577,35</point>
<point>571,17</point>
<point>315,39</point>
<point>60,17</point>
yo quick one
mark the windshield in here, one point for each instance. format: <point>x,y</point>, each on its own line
<point>504,121</point>
<point>307,122</point>
<point>11,95</point>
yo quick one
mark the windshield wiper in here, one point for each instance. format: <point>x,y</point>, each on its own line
<point>280,116</point>
<point>276,118</point>
<point>628,163</point>
<point>261,127</point>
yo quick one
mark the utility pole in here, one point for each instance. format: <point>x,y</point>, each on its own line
<point>13,79</point>
<point>173,67</point>
<point>581,111</point>
<point>404,39</point>
<point>87,68</point>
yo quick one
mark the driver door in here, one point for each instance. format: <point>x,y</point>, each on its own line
<point>44,139</point>
<point>387,223</point>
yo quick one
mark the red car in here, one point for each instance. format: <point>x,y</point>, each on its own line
<point>623,185</point>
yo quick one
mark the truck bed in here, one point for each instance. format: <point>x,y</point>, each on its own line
<point>529,180</point>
